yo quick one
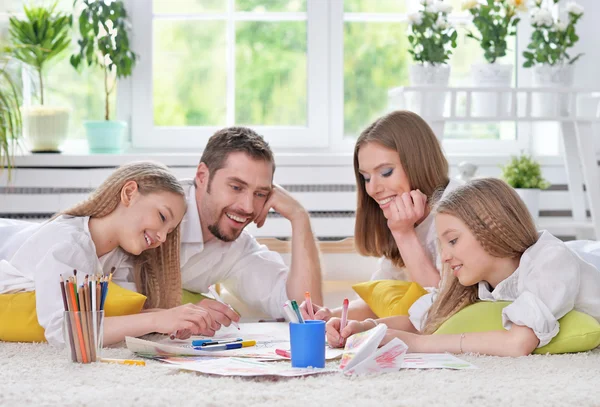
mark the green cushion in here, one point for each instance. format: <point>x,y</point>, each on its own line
<point>578,332</point>
<point>188,296</point>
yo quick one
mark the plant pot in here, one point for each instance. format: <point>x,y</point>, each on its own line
<point>531,198</point>
<point>45,127</point>
<point>428,104</point>
<point>105,137</point>
<point>490,104</point>
<point>546,104</point>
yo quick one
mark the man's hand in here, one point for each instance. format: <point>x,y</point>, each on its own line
<point>406,210</point>
<point>320,313</point>
<point>220,314</point>
<point>280,200</point>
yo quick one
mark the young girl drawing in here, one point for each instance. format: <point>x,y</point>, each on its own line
<point>130,223</point>
<point>398,164</point>
<point>492,252</point>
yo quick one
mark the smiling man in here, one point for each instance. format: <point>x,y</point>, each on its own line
<point>232,188</point>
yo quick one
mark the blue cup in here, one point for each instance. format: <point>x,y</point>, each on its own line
<point>308,344</point>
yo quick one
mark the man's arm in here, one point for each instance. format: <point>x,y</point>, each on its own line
<point>305,270</point>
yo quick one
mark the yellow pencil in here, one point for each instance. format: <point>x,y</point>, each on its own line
<point>130,362</point>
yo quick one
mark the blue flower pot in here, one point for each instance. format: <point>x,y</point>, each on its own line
<point>105,137</point>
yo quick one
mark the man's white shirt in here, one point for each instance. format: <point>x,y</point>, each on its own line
<point>247,269</point>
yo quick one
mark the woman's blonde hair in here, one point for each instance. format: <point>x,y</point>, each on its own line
<point>156,271</point>
<point>502,225</point>
<point>423,162</point>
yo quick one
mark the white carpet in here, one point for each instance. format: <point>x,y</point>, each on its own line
<point>36,374</point>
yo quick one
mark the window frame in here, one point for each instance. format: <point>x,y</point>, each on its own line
<point>325,85</point>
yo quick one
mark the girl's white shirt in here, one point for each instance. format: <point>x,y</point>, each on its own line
<point>34,255</point>
<point>552,279</point>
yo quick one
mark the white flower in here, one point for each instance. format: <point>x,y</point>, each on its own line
<point>441,23</point>
<point>560,26</point>
<point>441,7</point>
<point>538,2</point>
<point>426,2</point>
<point>542,18</point>
<point>574,8</point>
<point>469,4</point>
<point>415,18</point>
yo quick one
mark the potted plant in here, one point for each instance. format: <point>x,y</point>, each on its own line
<point>38,40</point>
<point>548,54</point>
<point>431,38</point>
<point>104,43</point>
<point>524,174</point>
<point>494,21</point>
<point>10,114</point>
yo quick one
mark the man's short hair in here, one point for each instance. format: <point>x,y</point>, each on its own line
<point>233,140</point>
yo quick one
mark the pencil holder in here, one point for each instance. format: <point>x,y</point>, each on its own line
<point>308,344</point>
<point>83,332</point>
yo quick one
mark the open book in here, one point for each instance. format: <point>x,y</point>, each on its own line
<point>361,354</point>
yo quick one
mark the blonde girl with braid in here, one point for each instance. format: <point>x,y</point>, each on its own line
<point>130,224</point>
<point>492,252</point>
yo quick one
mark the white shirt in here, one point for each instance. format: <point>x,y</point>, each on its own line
<point>248,270</point>
<point>34,255</point>
<point>551,280</point>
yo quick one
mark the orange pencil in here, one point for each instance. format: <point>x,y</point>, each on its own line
<point>78,323</point>
<point>73,334</point>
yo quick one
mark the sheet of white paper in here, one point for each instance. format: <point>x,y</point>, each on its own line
<point>248,367</point>
<point>268,336</point>
<point>435,361</point>
<point>388,358</point>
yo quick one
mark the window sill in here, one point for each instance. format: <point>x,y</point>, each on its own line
<point>75,154</point>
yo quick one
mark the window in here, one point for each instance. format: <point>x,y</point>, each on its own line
<point>305,73</point>
<point>232,62</point>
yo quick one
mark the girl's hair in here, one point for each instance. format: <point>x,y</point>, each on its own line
<point>423,162</point>
<point>156,271</point>
<point>502,225</point>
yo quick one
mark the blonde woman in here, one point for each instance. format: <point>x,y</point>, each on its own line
<point>492,252</point>
<point>130,223</point>
<point>398,164</point>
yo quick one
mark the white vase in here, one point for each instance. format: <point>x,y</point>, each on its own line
<point>531,198</point>
<point>428,104</point>
<point>45,127</point>
<point>546,104</point>
<point>490,104</point>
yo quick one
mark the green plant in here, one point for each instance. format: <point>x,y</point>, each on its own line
<point>104,43</point>
<point>495,20</point>
<point>39,38</point>
<point>10,112</point>
<point>551,39</point>
<point>524,172</point>
<point>431,36</point>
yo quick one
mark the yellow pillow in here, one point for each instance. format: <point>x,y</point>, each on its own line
<point>18,317</point>
<point>578,332</point>
<point>387,298</point>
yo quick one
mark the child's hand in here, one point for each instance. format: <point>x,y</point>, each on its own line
<point>405,211</point>
<point>321,313</point>
<point>190,317</point>
<point>220,313</point>
<point>335,339</point>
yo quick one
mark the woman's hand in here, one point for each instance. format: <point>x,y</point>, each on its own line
<point>321,313</point>
<point>337,339</point>
<point>405,211</point>
<point>188,319</point>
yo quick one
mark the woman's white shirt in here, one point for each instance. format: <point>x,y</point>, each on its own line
<point>551,280</point>
<point>34,255</point>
